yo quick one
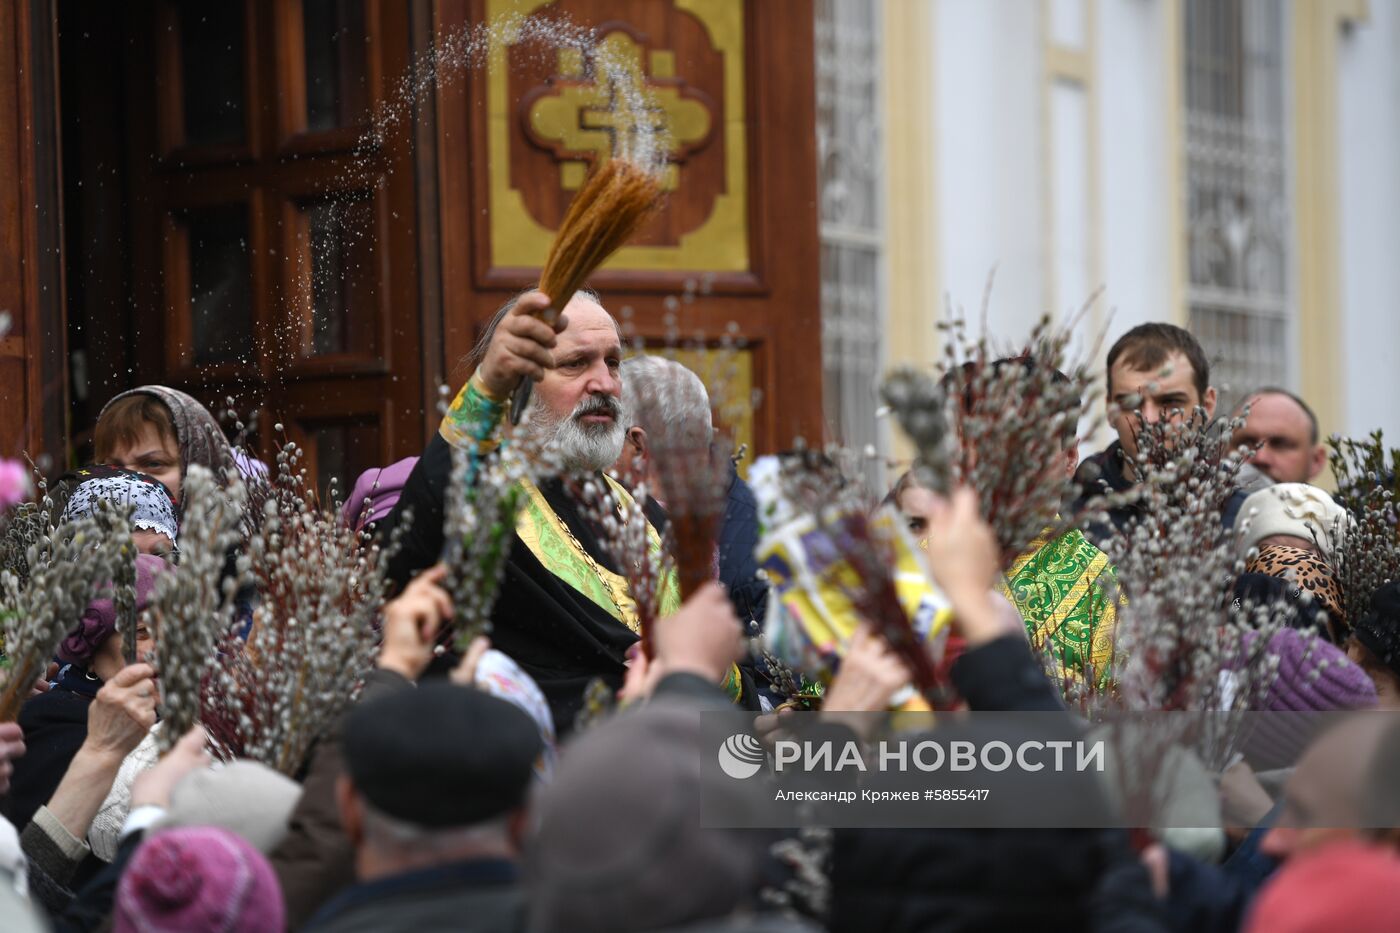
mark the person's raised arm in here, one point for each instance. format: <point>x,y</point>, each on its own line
<point>412,622</point>
<point>118,718</point>
<point>962,556</point>
<point>11,747</point>
<point>695,649</point>
<point>521,347</point>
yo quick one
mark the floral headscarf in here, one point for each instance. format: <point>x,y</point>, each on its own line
<point>152,509</point>
<point>499,675</point>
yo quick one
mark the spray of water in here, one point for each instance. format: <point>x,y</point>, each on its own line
<point>642,136</point>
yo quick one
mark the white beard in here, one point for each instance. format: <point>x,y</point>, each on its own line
<point>580,447</point>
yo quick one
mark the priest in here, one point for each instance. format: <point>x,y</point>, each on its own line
<point>564,612</point>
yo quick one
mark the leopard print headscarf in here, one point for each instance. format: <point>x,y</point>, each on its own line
<point>1305,570</point>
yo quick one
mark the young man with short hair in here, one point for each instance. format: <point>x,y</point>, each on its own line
<point>1155,371</point>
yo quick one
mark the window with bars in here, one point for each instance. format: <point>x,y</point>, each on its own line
<point>1237,202</point>
<point>850,163</point>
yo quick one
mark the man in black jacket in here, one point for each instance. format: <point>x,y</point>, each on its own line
<point>1155,372</point>
<point>437,824</point>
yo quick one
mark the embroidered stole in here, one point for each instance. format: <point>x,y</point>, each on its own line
<point>1055,587</point>
<point>554,546</point>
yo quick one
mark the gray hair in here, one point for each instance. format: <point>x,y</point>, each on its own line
<point>391,834</point>
<point>478,351</point>
<point>667,401</point>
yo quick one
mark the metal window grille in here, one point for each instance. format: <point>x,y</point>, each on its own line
<point>850,158</point>
<point>1237,191</point>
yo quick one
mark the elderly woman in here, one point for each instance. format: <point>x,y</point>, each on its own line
<point>161,431</point>
<point>155,528</point>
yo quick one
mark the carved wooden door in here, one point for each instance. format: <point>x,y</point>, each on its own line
<point>273,245</point>
<point>736,246</point>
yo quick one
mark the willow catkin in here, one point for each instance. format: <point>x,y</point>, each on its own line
<point>612,205</point>
<point>193,608</point>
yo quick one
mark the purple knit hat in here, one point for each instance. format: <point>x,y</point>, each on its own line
<point>100,619</point>
<point>198,880</point>
<point>1315,676</point>
<point>376,493</point>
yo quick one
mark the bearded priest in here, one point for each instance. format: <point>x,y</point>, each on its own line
<point>564,612</point>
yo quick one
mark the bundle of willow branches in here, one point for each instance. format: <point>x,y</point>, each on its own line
<point>484,497</point>
<point>1363,466</point>
<point>25,525</point>
<point>192,610</point>
<point>1000,423</point>
<point>1176,567</point>
<point>314,632</point>
<point>1369,554</point>
<point>67,568</point>
<point>615,200</point>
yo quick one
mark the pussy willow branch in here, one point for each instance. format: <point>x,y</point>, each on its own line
<point>1176,566</point>
<point>484,498</point>
<point>1368,556</point>
<point>68,567</point>
<point>314,632</point>
<point>192,608</point>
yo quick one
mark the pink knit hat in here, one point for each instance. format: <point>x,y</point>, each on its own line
<point>1313,677</point>
<point>198,880</point>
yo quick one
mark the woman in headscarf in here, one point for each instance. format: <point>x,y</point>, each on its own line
<point>155,527</point>
<point>160,431</point>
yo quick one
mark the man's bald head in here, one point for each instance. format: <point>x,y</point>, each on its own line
<point>478,351</point>
<point>1285,430</point>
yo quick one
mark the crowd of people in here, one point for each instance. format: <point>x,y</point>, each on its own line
<point>545,776</point>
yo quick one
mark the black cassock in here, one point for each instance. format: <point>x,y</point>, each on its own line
<point>556,634</point>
